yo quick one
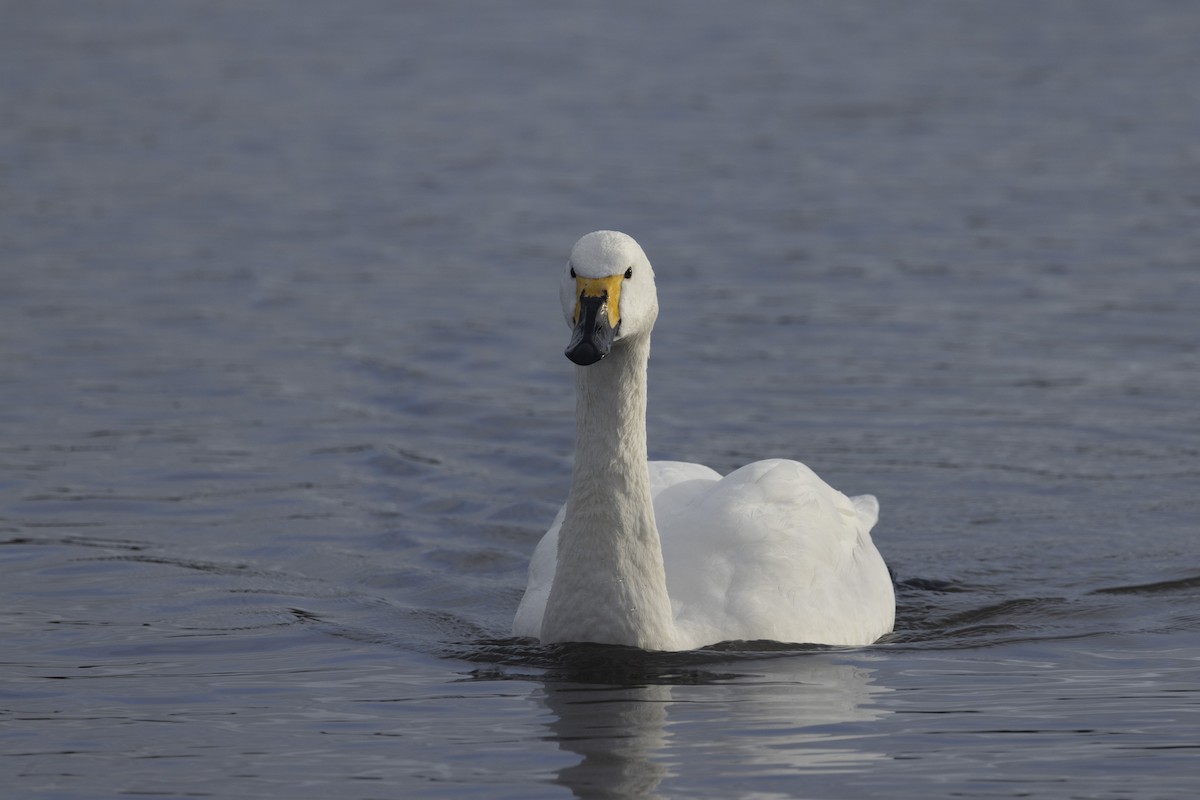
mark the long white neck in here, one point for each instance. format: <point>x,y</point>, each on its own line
<point>609,583</point>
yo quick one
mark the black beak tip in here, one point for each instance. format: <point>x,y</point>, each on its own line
<point>592,337</point>
<point>585,353</point>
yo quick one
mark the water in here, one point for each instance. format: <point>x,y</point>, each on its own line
<point>285,411</point>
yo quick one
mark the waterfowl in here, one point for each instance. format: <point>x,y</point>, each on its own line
<point>665,555</point>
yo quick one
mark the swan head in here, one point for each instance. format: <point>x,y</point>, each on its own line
<point>608,295</point>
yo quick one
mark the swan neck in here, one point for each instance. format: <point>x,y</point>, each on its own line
<point>610,415</point>
<point>610,585</point>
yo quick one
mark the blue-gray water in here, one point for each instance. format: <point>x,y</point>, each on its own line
<point>284,411</point>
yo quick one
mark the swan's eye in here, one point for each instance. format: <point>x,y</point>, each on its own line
<point>629,273</point>
<point>572,272</point>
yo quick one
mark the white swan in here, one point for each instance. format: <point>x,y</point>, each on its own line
<point>665,555</point>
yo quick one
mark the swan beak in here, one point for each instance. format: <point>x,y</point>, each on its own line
<point>597,316</point>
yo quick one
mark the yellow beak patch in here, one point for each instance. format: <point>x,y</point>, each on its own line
<point>609,288</point>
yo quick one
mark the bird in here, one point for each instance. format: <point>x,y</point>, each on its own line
<point>673,556</point>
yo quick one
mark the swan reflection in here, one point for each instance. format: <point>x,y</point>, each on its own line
<point>619,733</point>
<point>789,718</point>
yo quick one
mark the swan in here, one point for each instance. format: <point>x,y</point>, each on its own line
<point>666,555</point>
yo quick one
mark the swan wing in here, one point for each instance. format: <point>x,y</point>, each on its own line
<point>528,620</point>
<point>773,552</point>
<point>676,485</point>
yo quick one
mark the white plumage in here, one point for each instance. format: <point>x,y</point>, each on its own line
<point>667,555</point>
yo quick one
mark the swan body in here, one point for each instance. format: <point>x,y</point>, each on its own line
<point>666,555</point>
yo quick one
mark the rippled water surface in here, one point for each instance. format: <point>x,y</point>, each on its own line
<point>285,409</point>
